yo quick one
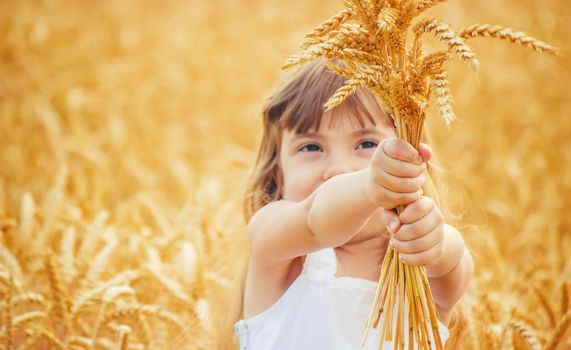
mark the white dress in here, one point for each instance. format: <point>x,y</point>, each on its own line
<point>318,311</point>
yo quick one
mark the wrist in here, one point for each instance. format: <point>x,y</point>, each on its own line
<point>451,256</point>
<point>367,188</point>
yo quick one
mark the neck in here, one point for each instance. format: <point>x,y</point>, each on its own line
<point>362,257</point>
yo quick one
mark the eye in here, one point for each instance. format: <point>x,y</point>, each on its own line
<point>368,144</point>
<point>310,148</point>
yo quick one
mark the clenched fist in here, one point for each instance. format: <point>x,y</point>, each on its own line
<point>396,174</point>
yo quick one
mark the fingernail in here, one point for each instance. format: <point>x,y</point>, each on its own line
<point>393,225</point>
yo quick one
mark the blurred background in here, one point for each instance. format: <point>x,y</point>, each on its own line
<point>128,128</point>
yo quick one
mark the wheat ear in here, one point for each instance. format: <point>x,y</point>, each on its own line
<point>122,278</point>
<point>28,298</point>
<point>526,334</point>
<point>367,78</point>
<point>426,4</point>
<point>439,86</point>
<point>516,37</point>
<point>146,310</point>
<point>59,293</point>
<point>327,26</point>
<point>361,9</point>
<point>443,32</point>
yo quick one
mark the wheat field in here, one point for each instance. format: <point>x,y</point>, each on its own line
<point>127,130</point>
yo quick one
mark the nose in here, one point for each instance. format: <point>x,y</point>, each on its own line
<point>338,164</point>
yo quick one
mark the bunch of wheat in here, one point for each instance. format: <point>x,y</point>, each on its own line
<point>367,44</point>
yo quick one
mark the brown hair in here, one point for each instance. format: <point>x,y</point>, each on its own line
<point>297,104</point>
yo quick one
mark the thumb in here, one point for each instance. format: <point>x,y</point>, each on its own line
<point>425,152</point>
<point>391,221</point>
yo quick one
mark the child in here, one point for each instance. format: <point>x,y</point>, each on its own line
<point>320,220</point>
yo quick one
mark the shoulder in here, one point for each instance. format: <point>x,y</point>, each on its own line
<point>278,232</point>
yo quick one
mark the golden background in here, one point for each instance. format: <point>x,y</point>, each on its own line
<point>127,130</point>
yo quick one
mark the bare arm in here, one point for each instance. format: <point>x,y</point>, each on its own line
<point>341,208</point>
<point>329,217</point>
<point>449,278</point>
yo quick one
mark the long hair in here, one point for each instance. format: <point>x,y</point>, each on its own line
<point>297,105</point>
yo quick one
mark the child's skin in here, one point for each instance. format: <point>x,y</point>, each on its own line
<point>336,185</point>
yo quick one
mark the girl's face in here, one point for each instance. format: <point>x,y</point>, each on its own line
<point>340,146</point>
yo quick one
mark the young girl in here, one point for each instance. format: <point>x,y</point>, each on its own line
<point>320,220</point>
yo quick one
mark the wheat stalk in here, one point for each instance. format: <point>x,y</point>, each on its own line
<point>546,305</point>
<point>564,299</point>
<point>124,332</point>
<point>36,333</point>
<point>67,254</point>
<point>560,331</point>
<point>7,319</point>
<point>109,296</point>
<point>10,262</point>
<point>82,342</point>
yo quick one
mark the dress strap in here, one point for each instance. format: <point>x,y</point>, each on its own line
<point>322,261</point>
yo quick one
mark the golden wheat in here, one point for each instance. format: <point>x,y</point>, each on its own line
<point>444,33</point>
<point>516,37</point>
<point>524,331</point>
<point>117,91</point>
<point>546,305</point>
<point>558,335</point>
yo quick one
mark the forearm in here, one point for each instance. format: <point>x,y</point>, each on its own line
<point>340,208</point>
<point>449,278</point>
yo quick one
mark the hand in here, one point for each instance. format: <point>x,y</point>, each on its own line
<point>396,173</point>
<point>417,233</point>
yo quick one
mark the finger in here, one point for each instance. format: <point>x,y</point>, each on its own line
<point>425,152</point>
<point>399,149</point>
<point>420,244</point>
<point>398,184</point>
<point>391,221</point>
<point>419,228</point>
<point>396,167</point>
<point>390,199</point>
<point>417,210</point>
<point>426,258</point>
